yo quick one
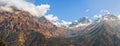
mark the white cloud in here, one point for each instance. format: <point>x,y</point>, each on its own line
<point>87,10</point>
<point>118,16</point>
<point>97,16</point>
<point>51,17</point>
<point>64,24</point>
<point>56,21</point>
<point>38,11</point>
<point>105,11</point>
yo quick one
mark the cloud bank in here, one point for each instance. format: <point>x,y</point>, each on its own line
<point>38,10</point>
<point>51,17</point>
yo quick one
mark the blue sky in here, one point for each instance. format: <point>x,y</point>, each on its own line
<point>70,10</point>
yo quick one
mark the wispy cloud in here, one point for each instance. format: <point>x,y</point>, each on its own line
<point>105,11</point>
<point>87,10</point>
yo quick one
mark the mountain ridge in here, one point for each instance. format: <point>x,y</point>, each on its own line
<point>20,28</point>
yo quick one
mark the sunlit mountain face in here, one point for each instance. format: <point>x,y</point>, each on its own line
<point>104,32</point>
<point>25,24</point>
<point>20,28</point>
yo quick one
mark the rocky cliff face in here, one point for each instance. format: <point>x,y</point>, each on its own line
<point>20,28</point>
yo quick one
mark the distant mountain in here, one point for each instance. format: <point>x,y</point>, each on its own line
<point>81,22</point>
<point>84,21</point>
<point>79,25</point>
<point>105,32</point>
<point>107,17</point>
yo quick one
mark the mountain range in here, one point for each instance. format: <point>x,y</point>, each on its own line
<point>104,31</point>
<point>21,28</point>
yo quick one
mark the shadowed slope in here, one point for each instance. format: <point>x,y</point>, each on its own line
<point>103,33</point>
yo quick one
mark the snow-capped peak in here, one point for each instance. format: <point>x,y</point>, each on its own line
<point>108,17</point>
<point>84,20</point>
<point>81,22</point>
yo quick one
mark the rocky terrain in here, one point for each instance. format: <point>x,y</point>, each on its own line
<point>105,32</point>
<point>20,28</point>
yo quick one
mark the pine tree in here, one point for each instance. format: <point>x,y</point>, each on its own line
<point>2,43</point>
